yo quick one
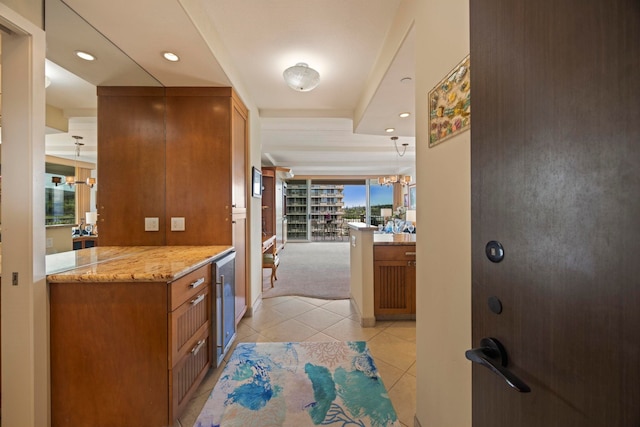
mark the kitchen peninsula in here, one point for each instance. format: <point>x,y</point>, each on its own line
<point>132,331</point>
<point>383,271</point>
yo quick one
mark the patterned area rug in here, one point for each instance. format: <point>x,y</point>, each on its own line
<point>299,384</point>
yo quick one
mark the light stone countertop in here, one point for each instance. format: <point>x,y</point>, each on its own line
<point>129,264</point>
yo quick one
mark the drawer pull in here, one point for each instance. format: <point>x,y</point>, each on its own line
<point>410,254</point>
<point>197,300</point>
<point>197,347</point>
<point>197,283</point>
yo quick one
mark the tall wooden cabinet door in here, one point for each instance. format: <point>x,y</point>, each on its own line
<point>239,226</point>
<point>198,166</point>
<point>393,287</point>
<point>131,158</point>
<point>239,140</point>
<point>555,179</point>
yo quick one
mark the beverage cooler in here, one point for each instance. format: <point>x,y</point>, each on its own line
<point>224,316</point>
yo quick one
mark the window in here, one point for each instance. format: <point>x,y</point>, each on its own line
<point>60,200</point>
<point>380,197</point>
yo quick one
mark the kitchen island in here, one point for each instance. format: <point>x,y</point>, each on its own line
<point>382,282</point>
<point>131,331</point>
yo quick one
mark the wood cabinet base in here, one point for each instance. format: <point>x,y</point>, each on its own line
<point>128,354</point>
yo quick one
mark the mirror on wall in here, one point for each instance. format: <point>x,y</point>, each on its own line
<point>71,84</point>
<point>72,81</point>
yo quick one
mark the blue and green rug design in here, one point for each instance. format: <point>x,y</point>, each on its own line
<point>299,384</point>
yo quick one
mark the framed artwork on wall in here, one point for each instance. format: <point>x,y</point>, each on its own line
<point>256,182</point>
<point>450,104</point>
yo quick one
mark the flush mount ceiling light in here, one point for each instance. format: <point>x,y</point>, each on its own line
<point>85,55</point>
<point>389,130</point>
<point>170,56</point>
<point>301,77</point>
<point>405,114</point>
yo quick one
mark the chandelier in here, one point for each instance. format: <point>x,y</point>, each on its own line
<point>301,77</point>
<point>72,180</point>
<point>393,179</point>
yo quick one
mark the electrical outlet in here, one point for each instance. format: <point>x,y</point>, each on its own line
<point>177,223</point>
<point>151,224</point>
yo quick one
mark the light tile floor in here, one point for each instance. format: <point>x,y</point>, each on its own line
<point>392,345</point>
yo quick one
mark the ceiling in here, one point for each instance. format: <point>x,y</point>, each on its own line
<point>363,50</point>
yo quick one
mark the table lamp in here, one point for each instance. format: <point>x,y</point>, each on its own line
<point>91,218</point>
<point>411,216</point>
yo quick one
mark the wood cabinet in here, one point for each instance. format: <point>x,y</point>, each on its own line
<point>394,281</point>
<point>175,152</point>
<point>84,242</point>
<point>131,159</point>
<point>128,353</point>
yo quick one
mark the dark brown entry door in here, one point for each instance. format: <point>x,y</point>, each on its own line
<point>556,180</point>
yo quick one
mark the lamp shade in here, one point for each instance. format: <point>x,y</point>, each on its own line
<point>301,77</point>
<point>385,212</point>
<point>91,217</point>
<point>411,215</point>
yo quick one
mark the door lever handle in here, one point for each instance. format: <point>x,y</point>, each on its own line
<point>491,349</point>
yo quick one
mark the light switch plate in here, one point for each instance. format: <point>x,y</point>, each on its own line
<point>151,224</point>
<point>177,223</point>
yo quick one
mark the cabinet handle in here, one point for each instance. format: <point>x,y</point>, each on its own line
<point>197,300</point>
<point>220,298</point>
<point>197,283</point>
<point>410,253</point>
<point>197,347</point>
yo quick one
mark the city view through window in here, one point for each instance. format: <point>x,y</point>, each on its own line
<point>316,210</point>
<point>380,196</point>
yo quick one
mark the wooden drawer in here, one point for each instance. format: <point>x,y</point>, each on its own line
<point>189,320</point>
<point>394,252</point>
<point>189,285</point>
<point>188,373</point>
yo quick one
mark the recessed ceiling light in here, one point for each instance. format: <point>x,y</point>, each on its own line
<point>170,56</point>
<point>85,55</point>
<point>389,130</point>
<point>405,114</point>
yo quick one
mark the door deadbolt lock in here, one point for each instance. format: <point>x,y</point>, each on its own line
<point>494,251</point>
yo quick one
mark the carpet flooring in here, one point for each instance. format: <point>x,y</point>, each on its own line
<point>299,384</point>
<point>314,269</point>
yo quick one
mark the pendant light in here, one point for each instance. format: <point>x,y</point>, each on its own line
<point>73,180</point>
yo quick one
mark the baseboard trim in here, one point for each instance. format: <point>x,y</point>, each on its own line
<point>365,322</point>
<point>368,322</point>
<point>254,307</point>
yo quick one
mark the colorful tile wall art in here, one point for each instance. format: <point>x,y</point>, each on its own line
<point>450,104</point>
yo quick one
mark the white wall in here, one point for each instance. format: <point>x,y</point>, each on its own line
<point>444,220</point>
<point>25,350</point>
